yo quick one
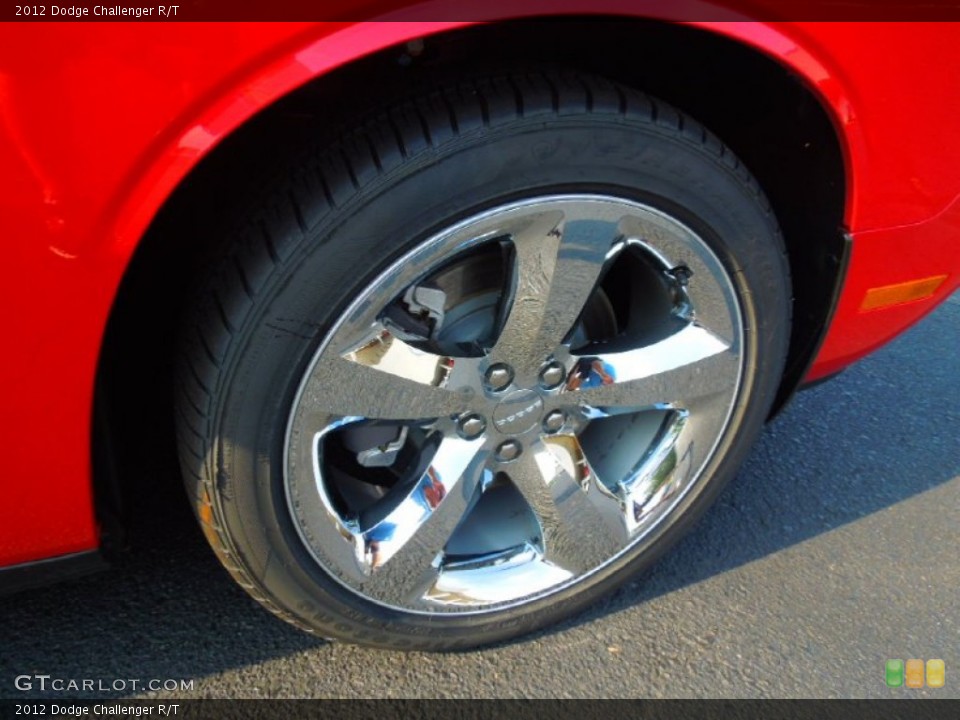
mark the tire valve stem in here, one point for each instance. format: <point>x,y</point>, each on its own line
<point>682,274</point>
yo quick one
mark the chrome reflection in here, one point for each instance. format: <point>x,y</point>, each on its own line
<point>567,451</point>
<point>388,353</point>
<point>687,347</point>
<point>656,480</point>
<point>495,579</point>
<point>591,372</point>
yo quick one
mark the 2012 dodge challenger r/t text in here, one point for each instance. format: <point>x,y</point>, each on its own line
<point>453,325</point>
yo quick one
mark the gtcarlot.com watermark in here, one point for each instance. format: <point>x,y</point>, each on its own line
<point>49,683</point>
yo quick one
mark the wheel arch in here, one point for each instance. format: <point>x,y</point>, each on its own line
<point>164,222</point>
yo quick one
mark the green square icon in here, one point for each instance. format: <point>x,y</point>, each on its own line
<point>894,673</point>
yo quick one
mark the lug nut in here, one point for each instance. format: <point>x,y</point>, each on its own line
<point>498,376</point>
<point>471,426</point>
<point>510,450</point>
<point>552,375</point>
<point>554,421</point>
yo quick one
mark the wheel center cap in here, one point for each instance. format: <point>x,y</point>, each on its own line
<point>518,412</point>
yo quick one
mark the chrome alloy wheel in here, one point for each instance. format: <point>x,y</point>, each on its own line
<point>514,404</point>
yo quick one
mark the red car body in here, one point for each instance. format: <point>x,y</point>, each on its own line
<point>100,123</point>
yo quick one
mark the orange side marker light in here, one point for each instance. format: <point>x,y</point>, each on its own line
<point>881,297</point>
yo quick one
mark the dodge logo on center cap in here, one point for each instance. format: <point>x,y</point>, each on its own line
<point>518,412</point>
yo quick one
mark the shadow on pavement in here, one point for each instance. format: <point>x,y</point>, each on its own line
<point>878,434</point>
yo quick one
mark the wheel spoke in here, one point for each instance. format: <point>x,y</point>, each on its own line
<point>558,260</point>
<point>581,520</point>
<point>399,552</point>
<point>688,366</point>
<point>385,378</point>
<point>664,471</point>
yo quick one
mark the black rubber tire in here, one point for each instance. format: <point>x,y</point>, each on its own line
<point>325,227</point>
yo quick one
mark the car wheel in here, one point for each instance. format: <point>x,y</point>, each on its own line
<point>474,364</point>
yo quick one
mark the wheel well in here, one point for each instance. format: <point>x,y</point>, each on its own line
<point>757,107</point>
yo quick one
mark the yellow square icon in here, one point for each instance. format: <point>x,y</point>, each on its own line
<point>914,674</point>
<point>935,673</point>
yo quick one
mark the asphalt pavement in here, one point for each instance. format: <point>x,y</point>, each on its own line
<point>834,550</point>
